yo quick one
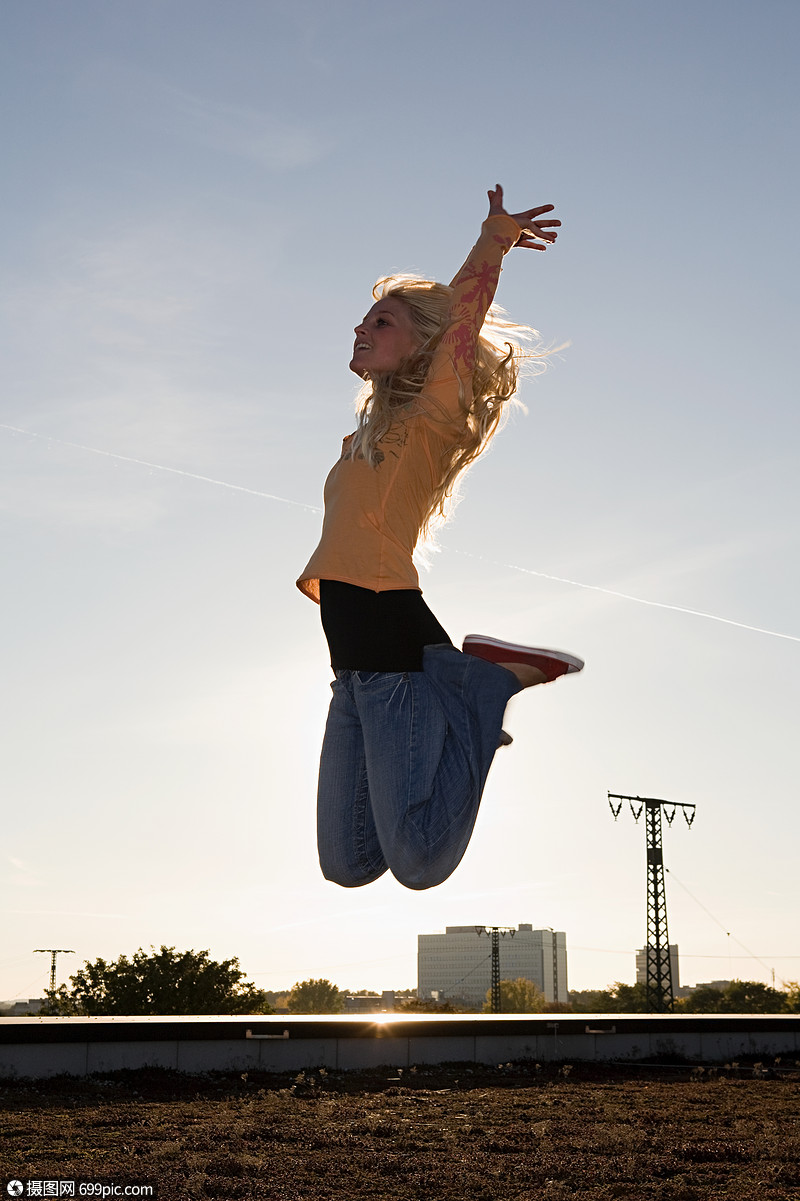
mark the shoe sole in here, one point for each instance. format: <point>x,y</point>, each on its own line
<point>498,652</point>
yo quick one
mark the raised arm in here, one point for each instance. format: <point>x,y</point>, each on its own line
<point>475,284</point>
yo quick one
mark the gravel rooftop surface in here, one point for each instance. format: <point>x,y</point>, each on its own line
<point>460,1132</point>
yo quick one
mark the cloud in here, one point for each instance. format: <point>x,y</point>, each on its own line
<point>66,499</point>
<point>63,913</point>
<point>124,339</point>
<point>262,137</point>
<point>24,875</point>
<point>109,290</point>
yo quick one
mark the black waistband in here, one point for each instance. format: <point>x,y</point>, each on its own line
<point>377,631</point>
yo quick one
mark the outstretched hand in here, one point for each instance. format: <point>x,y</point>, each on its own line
<point>535,234</point>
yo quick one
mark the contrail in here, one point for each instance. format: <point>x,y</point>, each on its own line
<point>107,454</point>
<point>542,575</point>
<point>626,596</point>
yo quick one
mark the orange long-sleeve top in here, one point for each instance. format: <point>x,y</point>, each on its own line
<point>374,515</point>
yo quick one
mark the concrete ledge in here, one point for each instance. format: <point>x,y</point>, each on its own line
<point>39,1047</point>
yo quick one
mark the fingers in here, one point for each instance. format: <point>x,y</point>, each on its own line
<point>496,200</point>
<point>537,212</point>
<point>537,232</point>
<point>535,238</point>
<point>540,231</point>
<point>545,235</point>
<point>525,221</point>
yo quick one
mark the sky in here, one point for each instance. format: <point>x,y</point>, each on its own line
<point>198,197</point>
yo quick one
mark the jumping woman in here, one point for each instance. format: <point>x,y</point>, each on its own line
<point>414,723</point>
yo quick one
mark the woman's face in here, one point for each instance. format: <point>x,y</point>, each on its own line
<point>384,338</point>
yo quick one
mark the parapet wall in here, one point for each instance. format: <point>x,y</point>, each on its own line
<point>39,1047</point>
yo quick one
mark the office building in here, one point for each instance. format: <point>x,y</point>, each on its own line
<point>641,967</point>
<point>457,965</point>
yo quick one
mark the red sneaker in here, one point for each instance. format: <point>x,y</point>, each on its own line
<point>552,663</point>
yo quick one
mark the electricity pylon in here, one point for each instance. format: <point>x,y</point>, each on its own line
<point>53,956</point>
<point>494,932</point>
<point>659,966</point>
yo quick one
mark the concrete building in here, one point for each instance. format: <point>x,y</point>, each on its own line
<point>457,965</point>
<point>19,1008</point>
<point>371,1002</point>
<point>641,967</point>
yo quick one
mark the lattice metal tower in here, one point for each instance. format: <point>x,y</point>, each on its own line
<point>53,956</point>
<point>495,933</point>
<point>659,965</point>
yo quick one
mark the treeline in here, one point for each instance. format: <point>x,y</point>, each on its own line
<point>739,996</point>
<point>190,982</point>
<point>170,982</point>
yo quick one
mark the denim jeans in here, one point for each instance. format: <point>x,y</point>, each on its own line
<point>403,767</point>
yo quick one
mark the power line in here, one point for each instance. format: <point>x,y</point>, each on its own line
<point>466,975</point>
<point>751,954</point>
<point>687,955</point>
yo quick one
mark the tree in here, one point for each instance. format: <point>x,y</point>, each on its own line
<point>165,982</point>
<point>629,998</point>
<point>425,1005</point>
<point>588,1000</point>
<point>703,999</point>
<point>518,996</point>
<point>621,998</point>
<point>315,996</point>
<point>751,996</point>
<point>793,996</point>
<point>740,996</point>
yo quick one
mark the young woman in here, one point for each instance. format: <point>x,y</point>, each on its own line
<point>414,723</point>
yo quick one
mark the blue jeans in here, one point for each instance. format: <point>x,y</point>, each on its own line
<point>404,763</point>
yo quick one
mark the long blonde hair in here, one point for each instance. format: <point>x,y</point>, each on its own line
<point>502,348</point>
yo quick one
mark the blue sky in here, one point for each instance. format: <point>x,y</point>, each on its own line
<point>199,197</point>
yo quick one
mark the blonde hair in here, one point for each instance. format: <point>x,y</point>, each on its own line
<point>387,399</point>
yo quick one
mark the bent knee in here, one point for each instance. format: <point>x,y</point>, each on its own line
<point>349,875</point>
<point>347,881</point>
<point>419,874</point>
